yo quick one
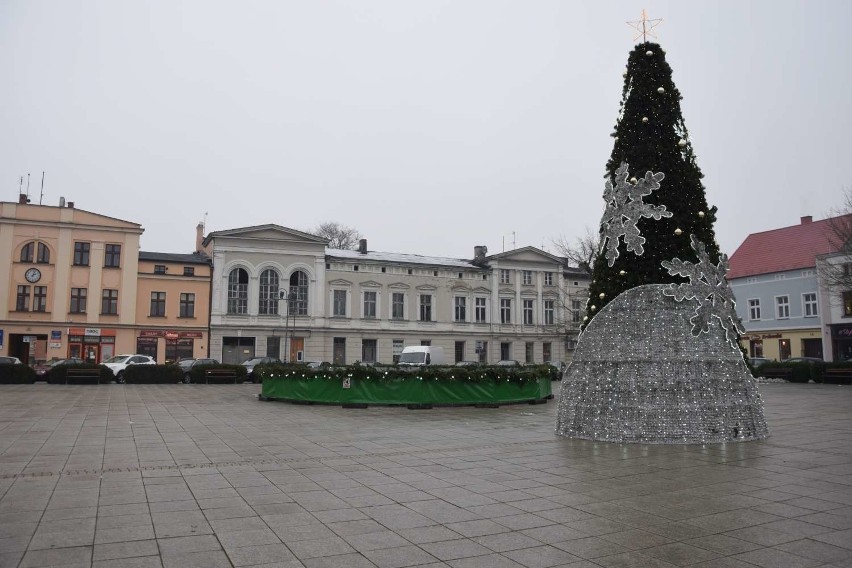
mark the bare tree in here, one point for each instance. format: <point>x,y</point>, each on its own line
<point>339,236</point>
<point>581,252</point>
<point>835,268</point>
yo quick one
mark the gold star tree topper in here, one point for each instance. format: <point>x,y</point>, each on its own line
<point>644,27</point>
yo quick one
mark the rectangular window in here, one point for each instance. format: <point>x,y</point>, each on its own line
<point>480,310</point>
<point>39,298</point>
<point>754,309</point>
<point>159,269</point>
<point>576,307</point>
<point>459,351</point>
<point>809,305</point>
<point>549,310</point>
<point>527,276</point>
<point>339,351</point>
<point>528,351</point>
<point>109,302</point>
<point>398,306</point>
<point>548,279</point>
<point>78,300</point>
<point>505,351</point>
<point>481,350</point>
<point>187,305</point>
<point>529,308</point>
<point>460,309</point>
<point>397,349</point>
<point>847,304</point>
<point>81,253</point>
<point>189,271</point>
<point>505,310</point>
<point>782,307</point>
<point>425,307</point>
<point>425,342</point>
<point>339,308</point>
<point>22,303</point>
<point>158,304</point>
<point>112,256</point>
<point>370,305</point>
<point>369,350</point>
<point>505,278</point>
<point>547,352</point>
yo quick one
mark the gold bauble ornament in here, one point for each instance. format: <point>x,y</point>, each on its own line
<point>661,90</point>
<point>621,273</point>
<point>601,295</point>
<point>701,214</point>
<point>645,119</point>
<point>678,232</point>
<point>633,180</point>
<point>594,307</point>
<point>681,143</point>
<point>649,53</point>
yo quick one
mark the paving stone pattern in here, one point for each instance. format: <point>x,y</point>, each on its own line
<point>206,476</point>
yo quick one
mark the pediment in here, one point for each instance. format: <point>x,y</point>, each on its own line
<point>427,288</point>
<point>526,255</point>
<point>460,288</point>
<point>269,232</point>
<point>481,290</point>
<point>340,282</point>
<point>399,286</point>
<point>506,291</point>
<point>370,284</point>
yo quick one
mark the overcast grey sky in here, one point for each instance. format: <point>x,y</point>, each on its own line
<point>431,126</point>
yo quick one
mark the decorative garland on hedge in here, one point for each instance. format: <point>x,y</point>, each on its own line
<point>387,374</point>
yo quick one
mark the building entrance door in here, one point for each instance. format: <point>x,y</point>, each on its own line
<point>297,349</point>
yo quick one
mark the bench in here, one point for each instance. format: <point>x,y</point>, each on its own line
<point>220,376</point>
<point>837,376</point>
<point>90,376</point>
<point>778,373</point>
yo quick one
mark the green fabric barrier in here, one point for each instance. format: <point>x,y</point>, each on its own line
<point>404,390</point>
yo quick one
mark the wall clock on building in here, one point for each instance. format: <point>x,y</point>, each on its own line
<point>33,275</point>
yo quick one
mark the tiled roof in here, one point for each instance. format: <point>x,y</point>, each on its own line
<point>192,258</point>
<point>779,250</point>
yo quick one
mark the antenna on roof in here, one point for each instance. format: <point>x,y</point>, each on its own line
<point>204,222</point>
<point>28,187</point>
<point>40,197</point>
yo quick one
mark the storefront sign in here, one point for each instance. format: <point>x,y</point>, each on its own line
<point>151,333</point>
<point>92,331</point>
<point>171,335</point>
<point>56,334</point>
<point>347,383</point>
<point>30,339</point>
<point>192,334</point>
<point>837,331</point>
<point>55,345</point>
<point>1,338</point>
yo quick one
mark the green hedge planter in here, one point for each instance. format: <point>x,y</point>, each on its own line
<point>404,390</point>
<point>16,375</point>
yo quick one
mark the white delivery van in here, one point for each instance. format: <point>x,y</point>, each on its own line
<point>422,355</point>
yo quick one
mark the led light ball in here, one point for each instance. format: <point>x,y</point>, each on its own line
<point>601,295</point>
<point>701,214</point>
<point>661,90</point>
<point>645,120</point>
<point>585,318</point>
<point>594,307</point>
<point>649,53</point>
<point>681,142</point>
<point>678,232</point>
<point>633,180</point>
<point>621,273</point>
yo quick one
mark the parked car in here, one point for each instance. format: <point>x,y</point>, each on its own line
<point>809,360</point>
<point>4,360</point>
<point>467,363</point>
<point>318,364</point>
<point>758,361</point>
<point>250,364</point>
<point>508,363</point>
<point>43,369</point>
<point>119,363</point>
<point>186,365</point>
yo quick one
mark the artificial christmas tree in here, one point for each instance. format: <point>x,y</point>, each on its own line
<point>650,136</point>
<point>658,359</point>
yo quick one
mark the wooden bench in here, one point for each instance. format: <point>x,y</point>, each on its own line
<point>85,376</point>
<point>220,376</point>
<point>837,376</point>
<point>778,373</point>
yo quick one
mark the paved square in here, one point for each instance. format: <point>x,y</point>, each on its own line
<point>208,476</point>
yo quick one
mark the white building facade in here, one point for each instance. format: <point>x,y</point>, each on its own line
<point>345,306</point>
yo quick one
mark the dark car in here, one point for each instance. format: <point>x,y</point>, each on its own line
<point>808,360</point>
<point>186,365</point>
<point>254,361</point>
<point>43,370</point>
<point>4,360</point>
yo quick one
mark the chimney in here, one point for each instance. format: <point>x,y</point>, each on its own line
<point>479,252</point>
<point>362,246</point>
<point>807,219</point>
<point>70,205</point>
<point>199,237</point>
<point>23,199</point>
<point>62,202</point>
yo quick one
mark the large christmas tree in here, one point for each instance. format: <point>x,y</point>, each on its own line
<point>650,136</point>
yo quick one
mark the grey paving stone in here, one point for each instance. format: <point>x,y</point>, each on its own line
<point>63,557</point>
<point>206,559</point>
<point>260,555</point>
<point>126,550</point>
<point>304,549</point>
<point>399,557</point>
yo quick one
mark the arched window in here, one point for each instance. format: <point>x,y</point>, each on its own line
<point>298,299</point>
<point>27,252</point>
<point>238,291</point>
<point>268,303</point>
<point>43,254</point>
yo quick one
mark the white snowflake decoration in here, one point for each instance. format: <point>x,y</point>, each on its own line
<point>624,208</point>
<point>708,285</point>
